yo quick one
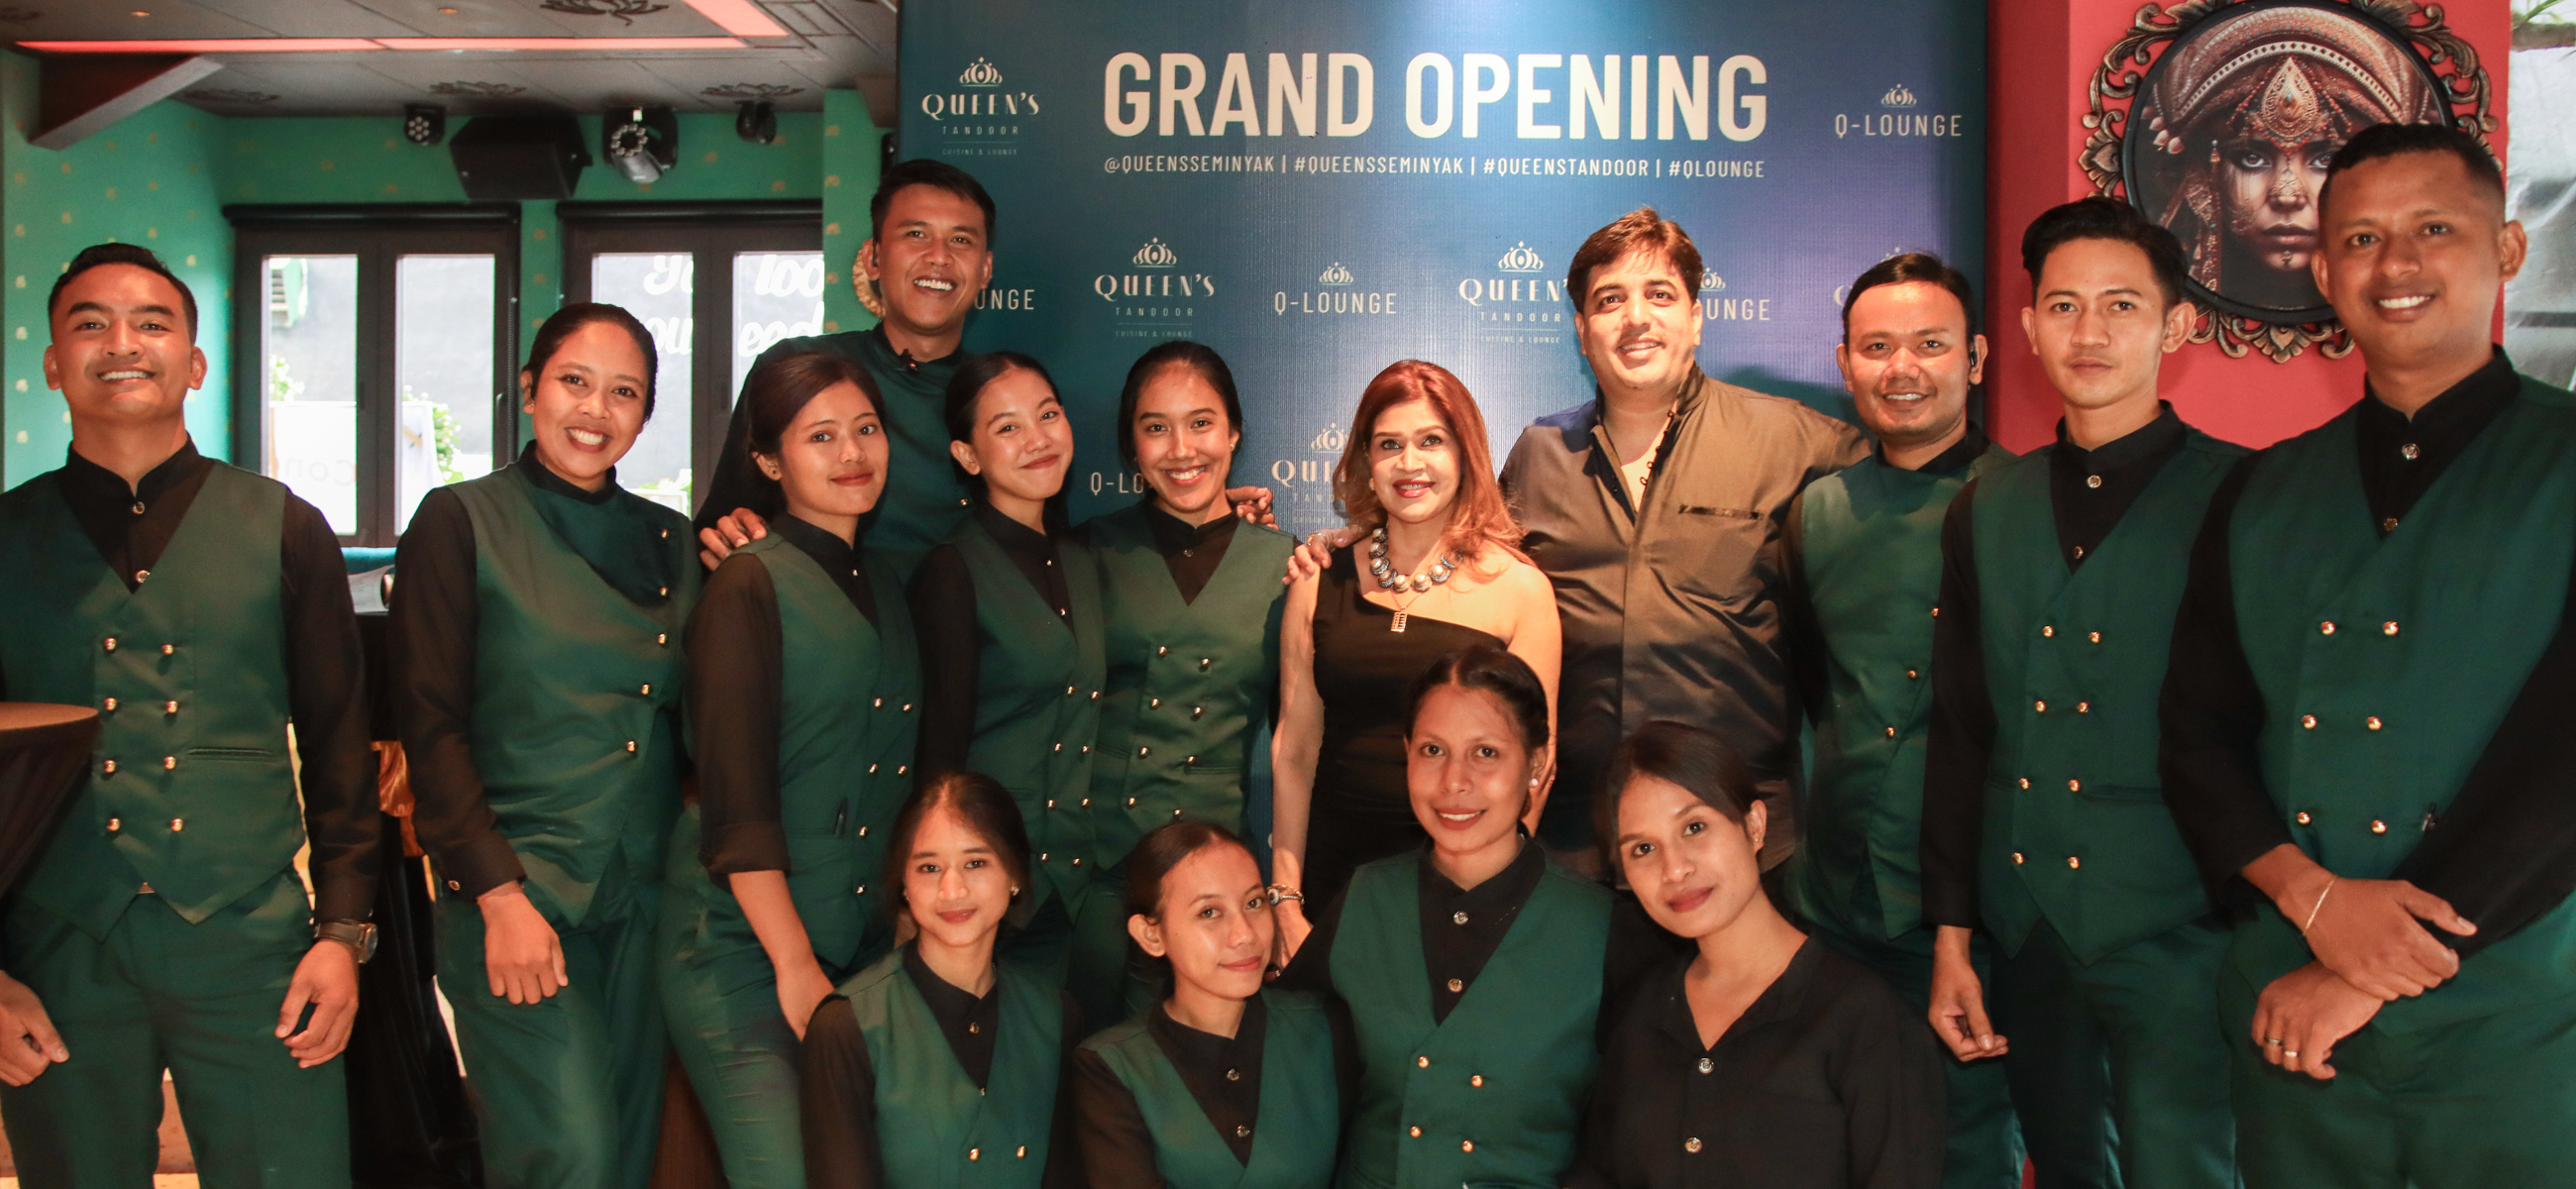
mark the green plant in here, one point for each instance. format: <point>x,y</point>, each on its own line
<point>2528,12</point>
<point>443,434</point>
<point>281,384</point>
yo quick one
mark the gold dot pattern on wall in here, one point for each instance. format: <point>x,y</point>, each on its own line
<point>22,437</point>
<point>831,181</point>
<point>536,233</point>
<point>154,184</point>
<point>151,233</point>
<point>192,260</point>
<point>831,130</point>
<point>777,185</point>
<point>831,229</point>
<point>711,157</point>
<point>538,279</point>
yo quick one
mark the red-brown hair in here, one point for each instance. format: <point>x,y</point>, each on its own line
<point>1479,518</point>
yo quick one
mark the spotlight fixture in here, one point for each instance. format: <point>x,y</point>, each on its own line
<point>424,123</point>
<point>756,121</point>
<point>643,142</point>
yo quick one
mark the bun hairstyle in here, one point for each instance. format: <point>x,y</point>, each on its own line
<point>1196,358</point>
<point>550,339</point>
<point>1678,753</point>
<point>779,388</point>
<point>978,800</point>
<point>1161,849</point>
<point>1495,671</point>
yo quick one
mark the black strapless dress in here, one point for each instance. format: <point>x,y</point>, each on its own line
<point>1360,811</point>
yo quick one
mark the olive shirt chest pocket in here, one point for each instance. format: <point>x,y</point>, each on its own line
<point>1710,550</point>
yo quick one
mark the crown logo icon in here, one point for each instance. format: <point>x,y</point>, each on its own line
<point>1332,439</point>
<point>1520,259</point>
<point>1897,96</point>
<point>1155,254</point>
<point>1336,275</point>
<point>980,73</point>
<point>1710,280</point>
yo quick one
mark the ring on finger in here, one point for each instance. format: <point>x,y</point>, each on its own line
<point>2272,1041</point>
<point>2292,1054</point>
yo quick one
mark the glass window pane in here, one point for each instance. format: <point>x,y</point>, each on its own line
<point>443,365</point>
<point>309,353</point>
<point>656,288</point>
<point>776,295</point>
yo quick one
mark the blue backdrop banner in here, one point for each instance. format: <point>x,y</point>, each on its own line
<point>1319,189</point>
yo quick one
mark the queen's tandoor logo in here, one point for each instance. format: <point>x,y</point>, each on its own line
<point>1155,254</point>
<point>1520,259</point>
<point>1336,275</point>
<point>980,73</point>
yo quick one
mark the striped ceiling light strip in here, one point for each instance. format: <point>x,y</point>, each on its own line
<point>308,45</point>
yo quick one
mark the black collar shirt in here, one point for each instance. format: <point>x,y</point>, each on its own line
<point>1955,460</point>
<point>1192,552</point>
<point>944,619</point>
<point>844,561</point>
<point>2090,490</point>
<point>2401,456</point>
<point>1223,1075</point>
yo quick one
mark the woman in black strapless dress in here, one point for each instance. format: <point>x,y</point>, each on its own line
<point>1435,570</point>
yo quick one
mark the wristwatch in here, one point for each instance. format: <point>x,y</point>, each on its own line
<point>1281,891</point>
<point>359,936</point>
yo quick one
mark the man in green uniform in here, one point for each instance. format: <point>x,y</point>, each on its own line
<point>2042,821</point>
<point>200,609</point>
<point>1863,566</point>
<point>2374,738</point>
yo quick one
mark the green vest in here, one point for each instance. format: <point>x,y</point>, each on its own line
<point>849,702</point>
<point>576,698</point>
<point>1190,684</point>
<point>1870,547</point>
<point>935,1129</point>
<point>2405,653</point>
<point>1038,691</point>
<point>1494,1094</point>
<point>190,788</point>
<point>1296,1138</point>
<point>2076,828</point>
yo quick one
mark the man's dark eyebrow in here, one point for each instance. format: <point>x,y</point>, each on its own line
<point>100,307</point>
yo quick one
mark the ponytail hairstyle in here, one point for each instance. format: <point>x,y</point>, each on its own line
<point>1175,355</point>
<point>779,388</point>
<point>1494,671</point>
<point>1161,849</point>
<point>563,322</point>
<point>966,387</point>
<point>978,800</point>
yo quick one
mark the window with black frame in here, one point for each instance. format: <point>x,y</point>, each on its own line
<point>717,283</point>
<point>372,353</point>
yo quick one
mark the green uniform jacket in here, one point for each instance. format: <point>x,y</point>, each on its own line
<point>2386,665</point>
<point>1869,554</point>
<point>190,788</point>
<point>1494,1094</point>
<point>935,1128</point>
<point>1299,1134</point>
<point>849,697</point>
<point>576,694</point>
<point>1038,692</point>
<point>1190,684</point>
<point>2076,828</point>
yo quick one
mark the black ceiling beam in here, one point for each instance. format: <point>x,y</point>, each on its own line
<point>82,93</point>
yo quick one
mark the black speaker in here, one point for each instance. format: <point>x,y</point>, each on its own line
<point>519,157</point>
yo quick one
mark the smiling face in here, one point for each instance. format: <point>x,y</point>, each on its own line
<point>2100,326</point>
<point>929,260</point>
<point>1413,463</point>
<point>1909,363</point>
<point>831,462</point>
<point>121,352</point>
<point>954,882</point>
<point>1216,925</point>
<point>1694,871</point>
<point>1022,445</point>
<point>588,403</point>
<point>2415,260</point>
<point>1639,324</point>
<point>1467,771</point>
<point>1184,442</point>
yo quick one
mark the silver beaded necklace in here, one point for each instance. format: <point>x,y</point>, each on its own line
<point>1416,583</point>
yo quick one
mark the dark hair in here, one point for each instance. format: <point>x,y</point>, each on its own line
<point>2105,218</point>
<point>550,339</point>
<point>973,374</point>
<point>1910,268</point>
<point>1492,669</point>
<point>1178,353</point>
<point>2394,140</point>
<point>1697,760</point>
<point>101,255</point>
<point>1161,849</point>
<point>984,805</point>
<point>778,388</point>
<point>938,175</point>
<point>1638,230</point>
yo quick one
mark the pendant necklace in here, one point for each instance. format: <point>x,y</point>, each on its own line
<point>1416,584</point>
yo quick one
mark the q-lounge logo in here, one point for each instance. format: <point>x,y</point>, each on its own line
<point>977,118</point>
<point>1516,303</point>
<point>1152,297</point>
<point>1336,291</point>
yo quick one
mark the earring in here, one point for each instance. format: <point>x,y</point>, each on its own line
<point>1533,782</point>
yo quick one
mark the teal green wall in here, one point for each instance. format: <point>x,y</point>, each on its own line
<point>161,177</point>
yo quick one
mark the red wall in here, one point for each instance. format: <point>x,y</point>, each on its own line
<point>2041,57</point>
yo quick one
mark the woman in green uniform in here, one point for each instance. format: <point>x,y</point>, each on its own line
<point>1465,962</point>
<point>939,1065</point>
<point>536,632</point>
<point>803,689</point>
<point>1191,599</point>
<point>1225,1083</point>
<point>1010,621</point>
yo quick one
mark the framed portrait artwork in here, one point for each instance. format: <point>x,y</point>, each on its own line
<point>2234,111</point>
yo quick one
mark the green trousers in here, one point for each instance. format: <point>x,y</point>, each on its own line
<point>198,1000</point>
<point>1985,1144</point>
<point>2119,1070</point>
<point>568,1089</point>
<point>2480,1104</point>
